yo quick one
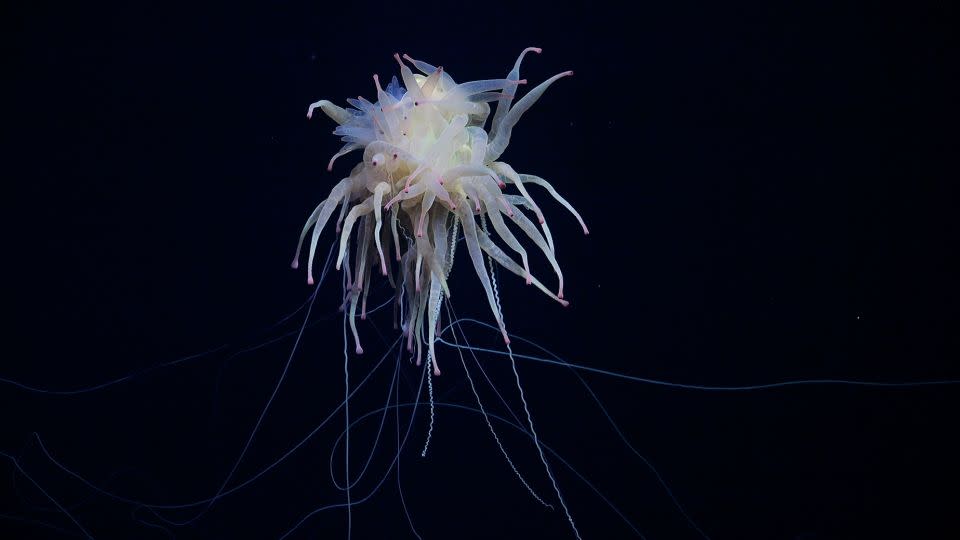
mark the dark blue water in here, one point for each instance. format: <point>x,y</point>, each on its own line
<point>771,195</point>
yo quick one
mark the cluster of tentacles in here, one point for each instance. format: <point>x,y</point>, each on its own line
<point>430,169</point>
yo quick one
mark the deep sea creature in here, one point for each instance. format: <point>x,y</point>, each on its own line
<point>429,169</point>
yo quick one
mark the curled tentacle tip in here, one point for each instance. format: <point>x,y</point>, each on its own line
<point>567,73</point>
<point>564,303</point>
<point>537,50</point>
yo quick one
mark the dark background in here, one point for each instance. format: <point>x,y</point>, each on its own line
<point>771,192</point>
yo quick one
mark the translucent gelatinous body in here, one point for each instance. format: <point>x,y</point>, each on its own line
<point>430,169</point>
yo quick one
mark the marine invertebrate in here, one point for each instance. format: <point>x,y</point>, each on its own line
<point>429,169</point>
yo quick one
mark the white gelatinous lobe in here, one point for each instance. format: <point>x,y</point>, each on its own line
<point>430,166</point>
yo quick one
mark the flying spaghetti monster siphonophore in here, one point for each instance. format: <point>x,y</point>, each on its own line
<point>430,167</point>
<point>429,164</point>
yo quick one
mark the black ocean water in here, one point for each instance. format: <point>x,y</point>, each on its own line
<point>771,195</point>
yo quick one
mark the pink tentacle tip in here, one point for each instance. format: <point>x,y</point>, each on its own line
<point>522,81</point>
<point>309,280</point>
<point>560,294</point>
<point>564,303</point>
<point>537,50</point>
<point>295,264</point>
<point>529,279</point>
<point>436,370</point>
<point>359,349</point>
<point>567,73</point>
<point>506,339</point>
